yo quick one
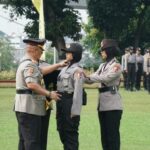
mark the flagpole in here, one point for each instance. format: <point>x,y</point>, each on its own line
<point>39,5</point>
<point>41,21</point>
<point>42,27</point>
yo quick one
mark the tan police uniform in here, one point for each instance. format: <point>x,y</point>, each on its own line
<point>29,105</point>
<point>132,69</point>
<point>124,67</point>
<point>67,83</point>
<point>140,61</point>
<point>109,101</point>
<point>28,101</point>
<point>70,86</point>
<point>147,71</point>
<point>108,75</point>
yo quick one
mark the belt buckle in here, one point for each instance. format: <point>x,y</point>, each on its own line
<point>69,92</point>
<point>113,90</point>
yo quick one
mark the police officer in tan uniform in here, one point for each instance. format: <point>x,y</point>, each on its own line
<point>124,67</point>
<point>30,95</point>
<point>147,69</point>
<point>109,102</point>
<point>70,86</point>
<point>131,68</point>
<point>140,61</point>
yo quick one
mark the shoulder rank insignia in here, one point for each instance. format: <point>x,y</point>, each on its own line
<point>78,74</point>
<point>116,68</point>
<point>30,71</point>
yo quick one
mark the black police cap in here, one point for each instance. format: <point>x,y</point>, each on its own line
<point>107,43</point>
<point>110,46</point>
<point>74,48</point>
<point>35,41</point>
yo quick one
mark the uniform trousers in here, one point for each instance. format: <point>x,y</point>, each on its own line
<point>109,125</point>
<point>67,126</point>
<point>145,80</point>
<point>138,76</point>
<point>148,83</point>
<point>45,126</point>
<point>125,80</point>
<point>29,127</point>
<point>131,75</point>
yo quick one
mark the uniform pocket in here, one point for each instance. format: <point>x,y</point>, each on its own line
<point>65,80</point>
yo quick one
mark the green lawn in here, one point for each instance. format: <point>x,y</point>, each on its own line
<point>135,124</point>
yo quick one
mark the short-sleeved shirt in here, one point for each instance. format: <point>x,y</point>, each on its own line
<point>29,72</point>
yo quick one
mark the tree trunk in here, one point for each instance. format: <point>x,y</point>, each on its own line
<point>140,25</point>
<point>60,44</point>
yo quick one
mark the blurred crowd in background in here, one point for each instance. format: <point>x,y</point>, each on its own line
<point>136,69</point>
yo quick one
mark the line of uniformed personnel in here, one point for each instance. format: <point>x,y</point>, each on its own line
<point>136,67</point>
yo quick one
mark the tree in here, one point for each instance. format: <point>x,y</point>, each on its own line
<point>6,55</point>
<point>128,21</point>
<point>111,16</point>
<point>60,20</point>
<point>91,40</point>
<point>90,61</point>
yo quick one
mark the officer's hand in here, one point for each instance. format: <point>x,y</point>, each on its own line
<point>54,95</point>
<point>63,63</point>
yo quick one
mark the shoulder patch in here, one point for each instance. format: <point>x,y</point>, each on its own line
<point>116,67</point>
<point>78,74</point>
<point>30,71</point>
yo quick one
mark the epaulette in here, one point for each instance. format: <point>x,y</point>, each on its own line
<point>42,61</point>
<point>25,60</point>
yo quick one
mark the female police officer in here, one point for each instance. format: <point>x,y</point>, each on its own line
<point>69,85</point>
<point>110,104</point>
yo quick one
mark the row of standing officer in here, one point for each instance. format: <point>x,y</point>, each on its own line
<point>133,66</point>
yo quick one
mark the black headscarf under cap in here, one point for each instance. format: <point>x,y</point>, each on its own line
<point>110,46</point>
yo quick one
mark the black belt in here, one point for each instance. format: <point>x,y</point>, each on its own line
<point>65,93</point>
<point>106,89</point>
<point>131,63</point>
<point>25,91</point>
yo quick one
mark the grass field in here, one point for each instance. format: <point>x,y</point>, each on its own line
<point>135,124</point>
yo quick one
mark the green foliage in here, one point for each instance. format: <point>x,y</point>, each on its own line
<point>111,16</point>
<point>60,19</point>
<point>7,75</point>
<point>49,57</point>
<point>127,21</point>
<point>91,40</point>
<point>90,61</point>
<point>6,55</point>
